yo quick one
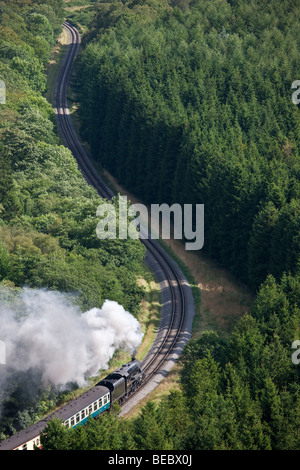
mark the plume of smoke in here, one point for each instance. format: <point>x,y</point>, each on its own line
<point>55,337</point>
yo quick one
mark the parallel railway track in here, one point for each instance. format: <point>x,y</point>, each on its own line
<point>64,122</point>
<point>175,327</point>
<point>177,300</point>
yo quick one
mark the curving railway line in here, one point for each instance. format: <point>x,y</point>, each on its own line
<point>64,122</point>
<point>177,310</point>
<point>178,307</point>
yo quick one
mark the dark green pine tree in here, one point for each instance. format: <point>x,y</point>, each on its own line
<point>148,430</point>
<point>55,436</point>
<point>285,244</point>
<point>272,411</point>
<point>260,244</point>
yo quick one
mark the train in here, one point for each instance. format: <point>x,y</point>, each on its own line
<point>115,388</point>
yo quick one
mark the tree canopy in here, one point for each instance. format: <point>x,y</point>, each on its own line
<point>189,101</point>
<point>47,211</point>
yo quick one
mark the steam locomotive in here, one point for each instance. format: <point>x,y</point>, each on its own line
<point>115,388</point>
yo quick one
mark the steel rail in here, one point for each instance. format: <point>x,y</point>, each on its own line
<point>165,345</point>
<point>178,305</point>
<point>64,122</point>
<point>171,337</point>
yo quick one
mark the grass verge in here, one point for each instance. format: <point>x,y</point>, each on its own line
<point>54,65</point>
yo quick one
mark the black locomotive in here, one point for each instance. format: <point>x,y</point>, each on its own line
<point>124,381</point>
<point>116,387</point>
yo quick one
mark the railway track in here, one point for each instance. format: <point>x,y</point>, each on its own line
<point>64,122</point>
<point>177,301</point>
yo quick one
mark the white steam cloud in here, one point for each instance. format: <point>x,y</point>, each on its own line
<point>55,337</point>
